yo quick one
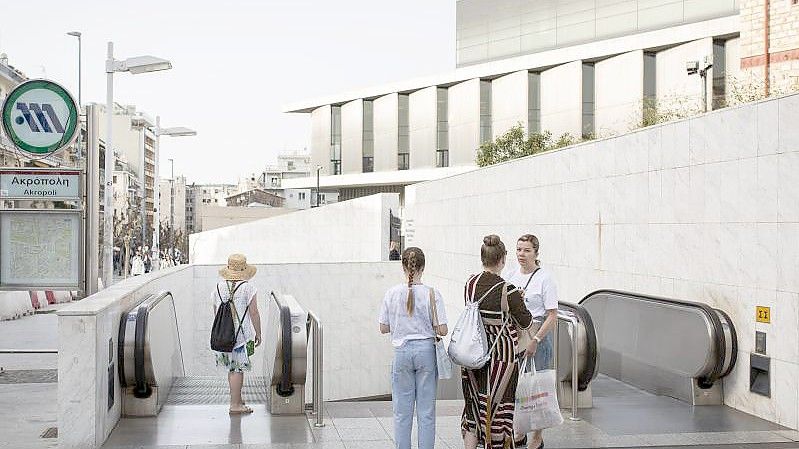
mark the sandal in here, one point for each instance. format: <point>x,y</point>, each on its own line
<point>244,410</point>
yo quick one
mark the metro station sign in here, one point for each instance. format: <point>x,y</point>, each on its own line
<point>40,184</point>
<point>40,117</point>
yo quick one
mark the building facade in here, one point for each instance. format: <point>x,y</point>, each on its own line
<point>172,203</point>
<point>198,195</point>
<point>580,68</point>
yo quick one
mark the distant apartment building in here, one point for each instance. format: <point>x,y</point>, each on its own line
<point>198,195</point>
<point>173,203</point>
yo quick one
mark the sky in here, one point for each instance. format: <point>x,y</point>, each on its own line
<point>236,64</point>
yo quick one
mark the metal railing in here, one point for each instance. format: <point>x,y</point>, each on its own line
<point>317,341</point>
<point>572,322</point>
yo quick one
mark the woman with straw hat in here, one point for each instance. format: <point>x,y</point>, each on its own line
<point>243,296</point>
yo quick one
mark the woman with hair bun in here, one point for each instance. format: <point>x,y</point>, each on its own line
<point>407,313</point>
<point>490,392</point>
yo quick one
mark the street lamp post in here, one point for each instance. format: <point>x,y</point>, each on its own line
<point>179,131</point>
<point>172,210</point>
<point>136,65</point>
<point>77,34</point>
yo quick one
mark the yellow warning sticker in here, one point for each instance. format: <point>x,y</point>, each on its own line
<point>763,314</point>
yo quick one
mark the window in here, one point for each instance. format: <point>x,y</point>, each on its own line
<point>485,112</point>
<point>302,196</point>
<point>290,165</point>
<point>403,143</point>
<point>442,129</point>
<point>367,164</point>
<point>115,179</point>
<point>442,158</point>
<point>335,140</point>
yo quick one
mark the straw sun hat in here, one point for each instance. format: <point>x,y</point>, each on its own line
<point>237,268</point>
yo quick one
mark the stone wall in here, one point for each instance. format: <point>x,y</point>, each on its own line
<point>703,209</point>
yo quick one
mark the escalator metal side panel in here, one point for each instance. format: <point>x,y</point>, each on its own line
<point>587,351</point>
<point>658,344</point>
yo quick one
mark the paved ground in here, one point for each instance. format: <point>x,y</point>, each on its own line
<point>622,416</point>
<point>28,389</point>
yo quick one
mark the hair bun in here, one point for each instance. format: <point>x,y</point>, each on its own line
<point>491,240</point>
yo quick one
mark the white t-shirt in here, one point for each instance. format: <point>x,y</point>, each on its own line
<point>540,295</point>
<point>241,300</point>
<point>419,326</point>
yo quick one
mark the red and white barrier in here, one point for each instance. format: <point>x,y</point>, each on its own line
<point>14,305</point>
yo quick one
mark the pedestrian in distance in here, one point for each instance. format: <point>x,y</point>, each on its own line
<point>541,298</point>
<point>234,287</point>
<point>137,265</point>
<point>490,392</point>
<point>407,314</point>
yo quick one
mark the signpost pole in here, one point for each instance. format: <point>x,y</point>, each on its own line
<point>92,259</point>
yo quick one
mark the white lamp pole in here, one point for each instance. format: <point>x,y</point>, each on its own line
<point>174,132</point>
<point>140,64</point>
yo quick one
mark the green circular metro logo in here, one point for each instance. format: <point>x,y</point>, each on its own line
<point>40,117</point>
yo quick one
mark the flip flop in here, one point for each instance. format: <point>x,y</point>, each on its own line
<point>244,410</point>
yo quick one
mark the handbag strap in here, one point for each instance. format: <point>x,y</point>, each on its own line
<point>434,313</point>
<point>531,277</point>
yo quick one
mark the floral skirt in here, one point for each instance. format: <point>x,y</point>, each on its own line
<point>234,362</point>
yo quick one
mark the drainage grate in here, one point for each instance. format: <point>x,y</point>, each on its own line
<point>215,391</point>
<point>29,376</point>
<point>50,432</point>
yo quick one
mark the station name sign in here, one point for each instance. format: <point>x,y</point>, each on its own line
<point>39,184</point>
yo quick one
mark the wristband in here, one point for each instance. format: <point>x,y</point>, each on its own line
<point>536,338</point>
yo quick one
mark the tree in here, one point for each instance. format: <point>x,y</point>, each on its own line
<point>514,144</point>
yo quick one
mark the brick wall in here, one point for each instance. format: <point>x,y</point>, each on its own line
<point>783,43</point>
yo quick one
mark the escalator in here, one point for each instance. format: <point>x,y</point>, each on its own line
<point>669,347</point>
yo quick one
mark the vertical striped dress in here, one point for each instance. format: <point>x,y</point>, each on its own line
<point>490,391</point>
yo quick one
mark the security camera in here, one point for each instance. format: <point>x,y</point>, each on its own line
<point>692,67</point>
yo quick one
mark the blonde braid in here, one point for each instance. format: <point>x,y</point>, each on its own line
<point>409,305</point>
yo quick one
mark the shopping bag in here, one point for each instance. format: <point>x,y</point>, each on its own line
<point>536,399</point>
<point>443,362</point>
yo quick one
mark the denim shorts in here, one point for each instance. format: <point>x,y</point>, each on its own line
<point>545,354</point>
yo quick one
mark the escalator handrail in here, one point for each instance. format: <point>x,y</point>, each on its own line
<point>590,371</point>
<point>734,343</point>
<point>710,314</point>
<point>142,388</point>
<point>286,386</point>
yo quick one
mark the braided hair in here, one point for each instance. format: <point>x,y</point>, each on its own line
<point>413,264</point>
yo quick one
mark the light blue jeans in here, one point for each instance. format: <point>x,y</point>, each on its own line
<point>413,383</point>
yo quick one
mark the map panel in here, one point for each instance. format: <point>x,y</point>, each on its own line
<point>39,248</point>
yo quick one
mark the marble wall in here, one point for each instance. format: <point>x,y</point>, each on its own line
<point>350,231</point>
<point>704,209</point>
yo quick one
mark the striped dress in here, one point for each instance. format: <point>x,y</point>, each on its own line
<point>489,392</point>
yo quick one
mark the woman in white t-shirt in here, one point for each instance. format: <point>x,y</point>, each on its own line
<point>541,298</point>
<point>406,313</point>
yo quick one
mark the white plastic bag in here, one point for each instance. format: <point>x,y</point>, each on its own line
<point>536,399</point>
<point>443,362</point>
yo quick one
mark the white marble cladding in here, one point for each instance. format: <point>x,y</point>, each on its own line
<point>562,99</point>
<point>705,209</point>
<point>619,97</point>
<point>87,332</point>
<point>350,231</point>
<point>463,115</point>
<point>510,107</point>
<point>386,118</point>
<point>321,129</point>
<point>352,137</point>
<point>423,127</point>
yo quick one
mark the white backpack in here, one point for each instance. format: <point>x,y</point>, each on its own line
<point>468,346</point>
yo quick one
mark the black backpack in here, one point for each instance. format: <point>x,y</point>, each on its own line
<point>223,332</point>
